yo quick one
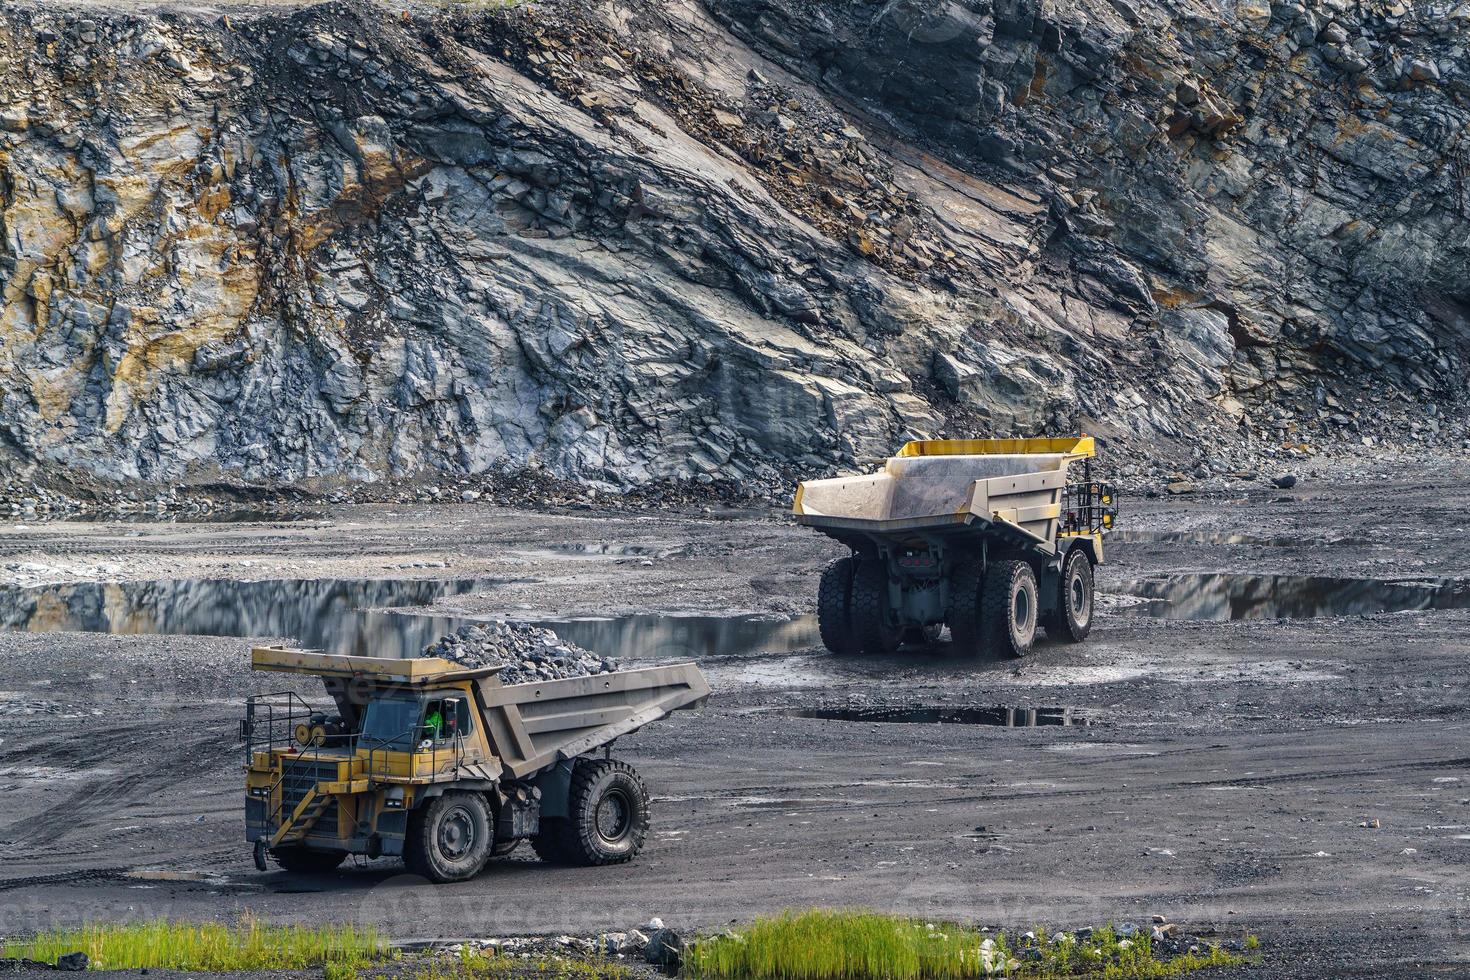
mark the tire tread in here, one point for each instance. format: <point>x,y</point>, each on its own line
<point>834,606</point>
<point>871,633</point>
<point>573,842</point>
<point>416,856</point>
<point>996,607</point>
<point>966,619</point>
<point>1060,624</point>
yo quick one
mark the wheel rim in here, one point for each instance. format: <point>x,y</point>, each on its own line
<point>457,834</point>
<point>1081,601</point>
<point>614,816</point>
<point>1021,611</point>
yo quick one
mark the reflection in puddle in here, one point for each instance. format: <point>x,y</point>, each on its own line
<point>660,638</point>
<point>320,614</point>
<point>1220,598</point>
<point>1003,716</point>
<point>354,616</point>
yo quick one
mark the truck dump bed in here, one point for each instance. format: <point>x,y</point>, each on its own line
<point>535,725</point>
<point>1011,486</point>
<point>529,726</point>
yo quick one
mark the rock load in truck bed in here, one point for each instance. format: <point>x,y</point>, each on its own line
<point>530,653</point>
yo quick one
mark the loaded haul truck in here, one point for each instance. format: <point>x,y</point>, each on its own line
<point>446,766</point>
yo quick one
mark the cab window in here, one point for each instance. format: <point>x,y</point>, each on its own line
<point>446,719</point>
<point>389,723</point>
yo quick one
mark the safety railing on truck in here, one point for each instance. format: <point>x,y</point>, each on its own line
<point>1088,508</point>
<point>270,725</point>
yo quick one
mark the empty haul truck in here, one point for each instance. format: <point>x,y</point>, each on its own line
<point>990,537</point>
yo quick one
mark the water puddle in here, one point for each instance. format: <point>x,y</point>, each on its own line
<point>358,617</point>
<point>678,637</point>
<point>1221,598</point>
<point>351,616</point>
<point>1001,716</point>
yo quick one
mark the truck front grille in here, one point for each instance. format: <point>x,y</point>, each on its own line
<point>298,776</point>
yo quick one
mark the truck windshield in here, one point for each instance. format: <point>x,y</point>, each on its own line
<point>391,723</point>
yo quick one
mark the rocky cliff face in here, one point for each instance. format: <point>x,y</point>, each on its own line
<point>636,240</point>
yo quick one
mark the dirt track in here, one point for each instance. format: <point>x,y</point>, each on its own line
<point>1226,780</point>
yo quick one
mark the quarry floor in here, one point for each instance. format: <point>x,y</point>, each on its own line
<point>1307,780</point>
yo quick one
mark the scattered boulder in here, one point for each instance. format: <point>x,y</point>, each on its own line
<point>665,949</point>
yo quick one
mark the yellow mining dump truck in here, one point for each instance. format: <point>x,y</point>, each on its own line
<point>986,536</point>
<point>447,766</point>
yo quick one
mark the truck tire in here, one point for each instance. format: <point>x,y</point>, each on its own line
<point>1009,608</point>
<point>872,631</point>
<point>965,632</point>
<point>450,838</point>
<point>607,821</point>
<point>305,861</point>
<point>834,606</point>
<point>1072,619</point>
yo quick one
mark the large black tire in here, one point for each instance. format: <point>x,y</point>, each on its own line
<point>873,630</point>
<point>304,861</point>
<point>964,609</point>
<point>607,820</point>
<point>450,838</point>
<point>1009,606</point>
<point>1071,621</point>
<point>834,606</point>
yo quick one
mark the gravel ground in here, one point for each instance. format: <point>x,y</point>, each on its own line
<point>1306,780</point>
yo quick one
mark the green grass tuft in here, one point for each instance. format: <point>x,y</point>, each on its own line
<point>860,945</point>
<point>489,965</point>
<point>838,945</point>
<point>209,946</point>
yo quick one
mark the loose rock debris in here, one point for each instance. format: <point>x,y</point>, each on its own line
<point>530,653</point>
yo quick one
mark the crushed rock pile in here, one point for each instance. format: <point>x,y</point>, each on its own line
<point>530,653</point>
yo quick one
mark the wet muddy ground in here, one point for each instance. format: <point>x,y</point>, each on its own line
<point>1306,777</point>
